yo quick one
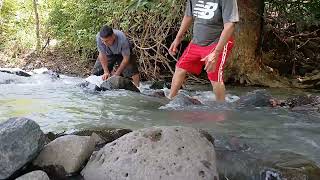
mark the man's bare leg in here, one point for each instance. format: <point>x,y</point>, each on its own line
<point>136,80</point>
<point>219,90</point>
<point>177,81</point>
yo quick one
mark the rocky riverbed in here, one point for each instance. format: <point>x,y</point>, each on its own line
<point>167,152</point>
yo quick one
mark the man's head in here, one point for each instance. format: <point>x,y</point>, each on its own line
<point>107,36</point>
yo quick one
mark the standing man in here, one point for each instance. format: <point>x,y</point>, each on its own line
<point>114,49</point>
<point>214,24</point>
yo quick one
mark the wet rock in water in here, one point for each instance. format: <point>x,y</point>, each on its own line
<point>115,82</point>
<point>292,166</point>
<point>21,140</point>
<point>68,151</point>
<point>155,153</point>
<point>276,165</point>
<point>16,71</point>
<point>303,100</point>
<point>182,100</point>
<point>118,82</point>
<point>257,98</point>
<point>154,93</point>
<point>34,175</point>
<point>304,103</point>
<point>53,74</point>
<point>89,87</point>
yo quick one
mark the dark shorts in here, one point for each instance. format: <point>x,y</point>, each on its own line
<point>115,60</point>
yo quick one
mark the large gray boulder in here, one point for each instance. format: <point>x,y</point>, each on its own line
<point>118,82</point>
<point>21,140</point>
<point>34,175</point>
<point>69,152</point>
<point>155,153</point>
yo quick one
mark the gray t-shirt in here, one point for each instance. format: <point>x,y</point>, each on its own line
<point>120,46</point>
<point>209,18</point>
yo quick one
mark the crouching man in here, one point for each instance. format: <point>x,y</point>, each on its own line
<point>115,56</point>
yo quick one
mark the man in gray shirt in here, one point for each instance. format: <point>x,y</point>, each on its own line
<point>114,49</point>
<point>214,24</point>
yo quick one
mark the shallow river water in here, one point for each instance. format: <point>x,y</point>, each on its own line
<point>61,105</point>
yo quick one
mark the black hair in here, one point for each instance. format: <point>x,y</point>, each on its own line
<point>106,31</point>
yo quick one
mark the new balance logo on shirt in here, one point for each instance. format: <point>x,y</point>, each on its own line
<point>209,18</point>
<point>205,10</point>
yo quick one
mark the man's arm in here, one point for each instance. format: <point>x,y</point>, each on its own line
<point>225,36</point>
<point>185,25</point>
<point>124,63</point>
<point>104,63</point>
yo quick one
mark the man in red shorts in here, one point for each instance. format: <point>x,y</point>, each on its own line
<point>214,24</point>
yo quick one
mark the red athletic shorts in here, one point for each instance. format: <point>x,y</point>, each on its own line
<point>191,59</point>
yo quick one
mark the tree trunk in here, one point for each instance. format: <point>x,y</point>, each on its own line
<point>245,64</point>
<point>35,6</point>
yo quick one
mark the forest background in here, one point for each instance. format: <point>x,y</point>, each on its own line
<point>277,41</point>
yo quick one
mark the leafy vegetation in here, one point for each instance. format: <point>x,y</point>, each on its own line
<point>150,24</point>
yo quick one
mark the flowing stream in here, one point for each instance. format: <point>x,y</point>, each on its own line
<point>59,105</point>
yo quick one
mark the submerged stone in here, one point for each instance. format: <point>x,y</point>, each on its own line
<point>280,165</point>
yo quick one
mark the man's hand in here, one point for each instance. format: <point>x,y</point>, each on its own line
<point>105,76</point>
<point>174,46</point>
<point>210,60</point>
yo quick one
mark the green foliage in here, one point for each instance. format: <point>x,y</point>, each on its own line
<point>76,22</point>
<point>17,25</point>
<point>7,21</point>
<point>303,13</point>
